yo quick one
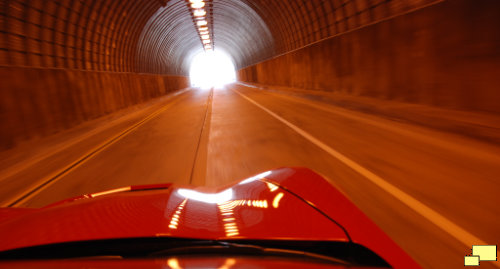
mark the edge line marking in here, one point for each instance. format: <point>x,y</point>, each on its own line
<point>344,112</point>
<point>442,222</point>
<point>47,181</point>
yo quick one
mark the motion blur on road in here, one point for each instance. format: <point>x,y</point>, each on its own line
<point>396,103</point>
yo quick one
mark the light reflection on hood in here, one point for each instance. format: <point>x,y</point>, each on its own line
<point>212,198</point>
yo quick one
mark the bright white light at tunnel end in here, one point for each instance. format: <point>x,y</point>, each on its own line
<point>211,68</point>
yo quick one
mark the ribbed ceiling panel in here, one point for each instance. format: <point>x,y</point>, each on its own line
<point>241,32</point>
<point>159,36</point>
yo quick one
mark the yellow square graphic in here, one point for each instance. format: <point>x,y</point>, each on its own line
<point>471,260</point>
<point>485,253</point>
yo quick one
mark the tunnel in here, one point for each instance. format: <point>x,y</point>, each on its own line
<point>395,102</point>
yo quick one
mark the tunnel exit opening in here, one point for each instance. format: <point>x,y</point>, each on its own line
<point>211,69</point>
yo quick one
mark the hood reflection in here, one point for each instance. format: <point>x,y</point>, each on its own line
<point>227,211</point>
<point>272,187</point>
<point>277,198</point>
<point>257,177</point>
<point>174,221</point>
<point>213,198</point>
<point>227,206</point>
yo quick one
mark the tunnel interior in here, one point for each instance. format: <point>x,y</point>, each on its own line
<point>394,102</point>
<point>55,56</point>
<point>161,36</point>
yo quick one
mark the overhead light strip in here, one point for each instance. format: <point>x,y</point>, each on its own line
<point>200,18</point>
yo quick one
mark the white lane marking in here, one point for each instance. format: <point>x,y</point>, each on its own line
<point>451,228</point>
<point>429,139</point>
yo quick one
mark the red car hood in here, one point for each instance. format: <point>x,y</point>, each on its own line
<point>287,203</point>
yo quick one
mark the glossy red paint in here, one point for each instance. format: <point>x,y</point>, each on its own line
<point>123,189</point>
<point>10,213</point>
<point>276,204</point>
<point>335,204</point>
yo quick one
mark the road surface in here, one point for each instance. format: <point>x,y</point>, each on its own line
<point>434,193</point>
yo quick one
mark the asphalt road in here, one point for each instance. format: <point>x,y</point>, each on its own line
<point>434,193</point>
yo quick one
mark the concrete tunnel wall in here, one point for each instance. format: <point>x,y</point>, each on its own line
<point>37,102</point>
<point>64,62</point>
<point>447,55</point>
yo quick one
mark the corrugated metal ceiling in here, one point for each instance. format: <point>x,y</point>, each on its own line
<point>160,36</point>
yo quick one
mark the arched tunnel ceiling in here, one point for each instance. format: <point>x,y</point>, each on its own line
<point>160,36</point>
<point>170,39</point>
